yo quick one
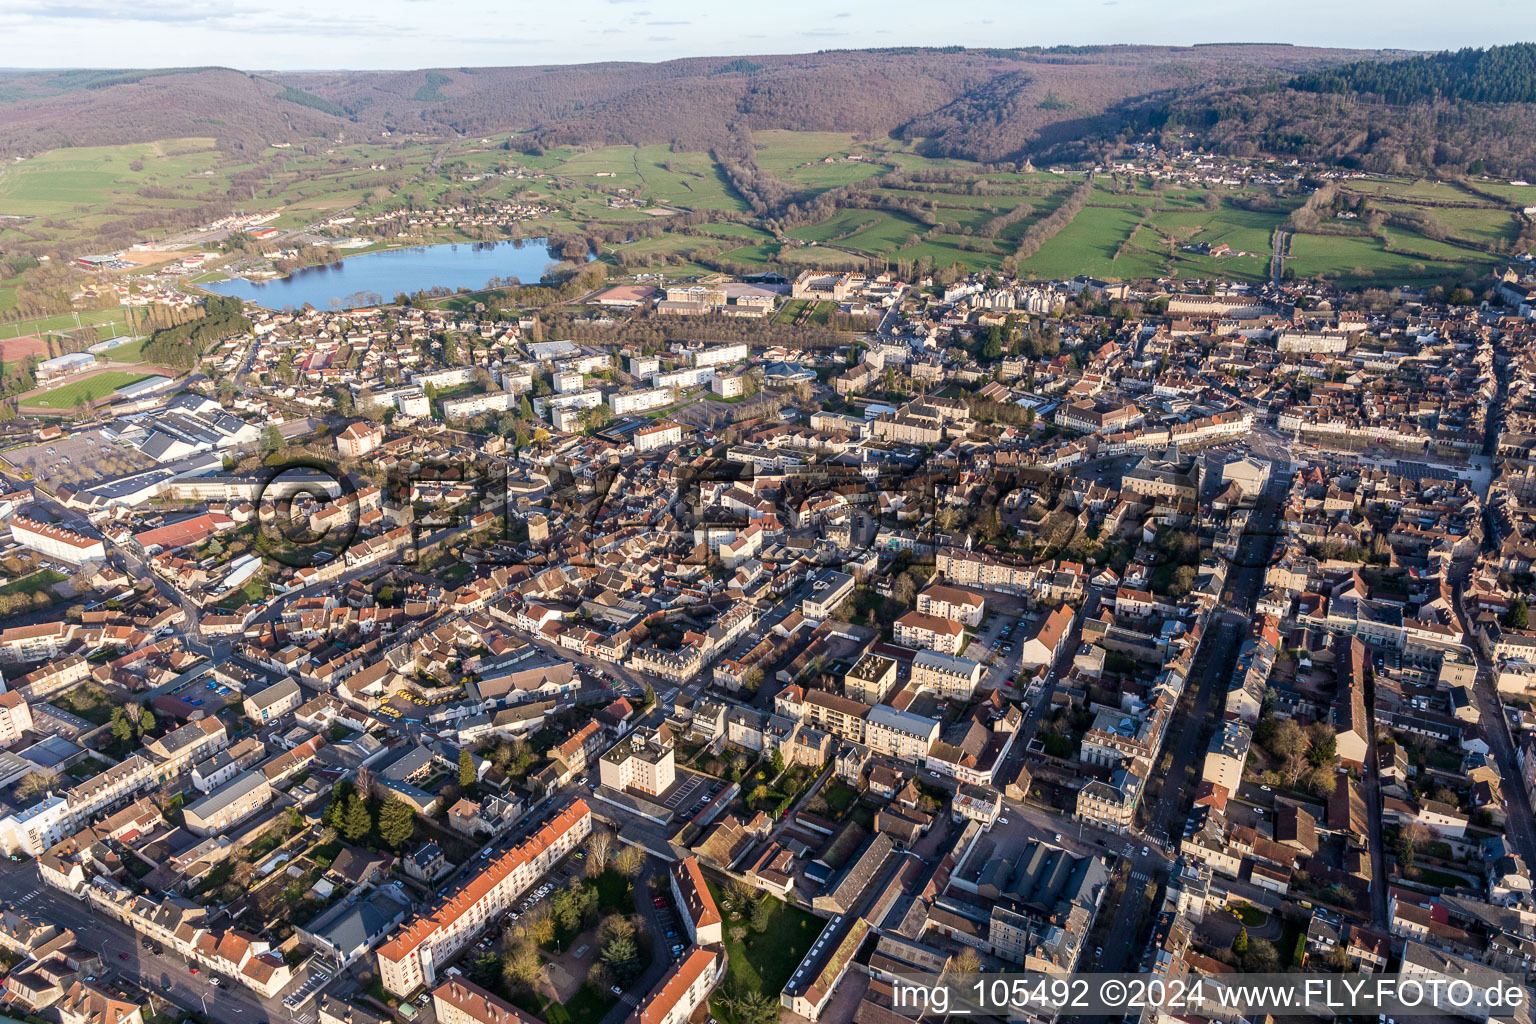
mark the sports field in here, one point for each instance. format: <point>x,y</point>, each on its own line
<point>91,389</point>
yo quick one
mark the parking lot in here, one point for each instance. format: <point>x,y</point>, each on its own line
<point>204,691</point>
<point>671,928</point>
<point>997,644</point>
<point>691,793</point>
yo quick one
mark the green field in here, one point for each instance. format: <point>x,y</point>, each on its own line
<point>1517,195</point>
<point>1482,226</point>
<point>764,962</point>
<point>865,231</point>
<point>733,230</point>
<point>818,161</point>
<point>56,182</point>
<point>113,319</point>
<point>84,189</point>
<point>127,352</point>
<point>943,255</point>
<point>1135,227</point>
<point>691,181</point>
<point>1410,188</point>
<point>1359,261</point>
<point>765,253</point>
<point>664,243</point>
<point>1088,246</point>
<point>1244,230</point>
<point>92,388</point>
<point>40,580</point>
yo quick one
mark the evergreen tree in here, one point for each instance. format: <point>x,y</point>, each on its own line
<point>1519,615</point>
<point>467,775</point>
<point>397,822</point>
<point>358,821</point>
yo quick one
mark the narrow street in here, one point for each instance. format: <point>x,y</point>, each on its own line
<point>1212,668</point>
<point>1380,916</point>
<point>1520,827</point>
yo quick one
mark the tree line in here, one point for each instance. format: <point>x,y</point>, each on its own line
<point>182,345</point>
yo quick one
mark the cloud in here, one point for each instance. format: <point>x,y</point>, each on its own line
<point>667,23</point>
<point>190,13</point>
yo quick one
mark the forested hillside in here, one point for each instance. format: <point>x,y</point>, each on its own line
<point>1464,112</point>
<point>1500,74</point>
<point>982,104</point>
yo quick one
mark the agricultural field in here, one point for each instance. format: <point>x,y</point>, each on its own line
<point>85,188</point>
<point>1400,240</point>
<point>1243,230</point>
<point>1411,190</point>
<point>663,244</point>
<point>1090,245</point>
<point>689,180</point>
<point>764,253</point>
<point>1132,228</point>
<point>58,181</point>
<point>816,160</point>
<point>1516,195</point>
<point>91,389</point>
<point>942,255</point>
<point>865,231</point>
<point>1354,260</point>
<point>1489,227</point>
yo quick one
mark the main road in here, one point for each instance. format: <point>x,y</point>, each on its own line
<point>124,952</point>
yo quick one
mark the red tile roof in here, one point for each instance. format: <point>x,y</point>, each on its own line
<point>412,935</point>
<point>670,990</point>
<point>697,900</point>
<point>480,1004</point>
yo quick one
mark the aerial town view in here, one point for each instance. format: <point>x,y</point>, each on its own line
<point>985,514</point>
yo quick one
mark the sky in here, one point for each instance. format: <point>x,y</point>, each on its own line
<point>394,34</point>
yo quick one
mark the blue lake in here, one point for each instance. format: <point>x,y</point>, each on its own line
<point>377,277</point>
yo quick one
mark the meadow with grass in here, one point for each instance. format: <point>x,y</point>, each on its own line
<point>91,388</point>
